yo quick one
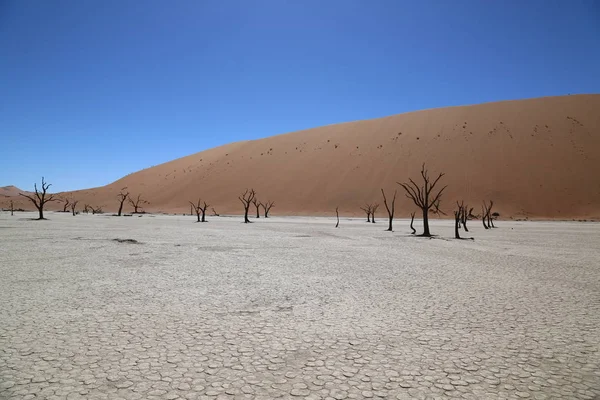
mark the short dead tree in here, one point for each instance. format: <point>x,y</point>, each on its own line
<point>246,198</point>
<point>97,210</point>
<point>12,208</point>
<point>337,214</point>
<point>412,219</point>
<point>390,208</point>
<point>374,208</point>
<point>214,212</point>
<point>267,207</point>
<point>200,208</point>
<point>86,208</point>
<point>486,215</point>
<point>122,196</point>
<point>74,206</point>
<point>137,203</point>
<point>458,216</point>
<point>40,198</point>
<point>66,204</point>
<point>424,196</point>
<point>257,204</point>
<point>367,209</point>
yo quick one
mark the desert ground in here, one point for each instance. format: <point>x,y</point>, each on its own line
<point>294,308</point>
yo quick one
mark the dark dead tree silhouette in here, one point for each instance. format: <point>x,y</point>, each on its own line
<point>74,206</point>
<point>367,209</point>
<point>424,196</point>
<point>458,215</point>
<point>215,214</point>
<point>257,204</point>
<point>66,204</point>
<point>40,198</point>
<point>267,207</point>
<point>374,208</point>
<point>246,198</point>
<point>86,208</point>
<point>12,208</point>
<point>137,203</point>
<point>486,216</point>
<point>390,208</point>
<point>412,219</point>
<point>122,196</point>
<point>97,210</point>
<point>200,209</point>
<point>337,214</point>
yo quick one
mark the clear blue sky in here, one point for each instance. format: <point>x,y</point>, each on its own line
<point>93,90</point>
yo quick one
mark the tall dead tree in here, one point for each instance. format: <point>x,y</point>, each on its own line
<point>40,198</point>
<point>390,210</point>
<point>200,208</point>
<point>374,208</point>
<point>337,214</point>
<point>246,198</point>
<point>424,196</point>
<point>74,206</point>
<point>137,203</point>
<point>267,207</point>
<point>122,196</point>
<point>66,204</point>
<point>12,208</point>
<point>412,219</point>
<point>367,209</point>
<point>257,204</point>
<point>466,214</point>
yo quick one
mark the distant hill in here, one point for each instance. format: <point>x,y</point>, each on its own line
<point>537,158</point>
<point>9,191</point>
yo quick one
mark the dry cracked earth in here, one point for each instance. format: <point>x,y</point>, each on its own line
<point>294,308</point>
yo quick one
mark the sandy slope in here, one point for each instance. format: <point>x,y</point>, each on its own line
<point>534,158</point>
<point>9,191</point>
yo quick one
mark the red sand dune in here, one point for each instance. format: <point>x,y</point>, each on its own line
<point>536,158</point>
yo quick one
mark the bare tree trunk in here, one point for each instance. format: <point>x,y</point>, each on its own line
<point>426,222</point>
<point>373,211</point>
<point>390,209</point>
<point>484,216</point>
<point>412,218</point>
<point>41,197</point>
<point>12,208</point>
<point>338,217</point>
<point>122,196</point>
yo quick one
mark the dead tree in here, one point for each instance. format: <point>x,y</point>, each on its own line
<point>267,207</point>
<point>487,215</point>
<point>367,209</point>
<point>74,206</point>
<point>412,219</point>
<point>337,214</point>
<point>374,208</point>
<point>423,196</point>
<point>137,203</point>
<point>12,208</point>
<point>215,214</point>
<point>246,198</point>
<point>66,204</point>
<point>390,210</point>
<point>40,198</point>
<point>200,208</point>
<point>458,215</point>
<point>97,210</point>
<point>257,204</point>
<point>86,208</point>
<point>122,196</point>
